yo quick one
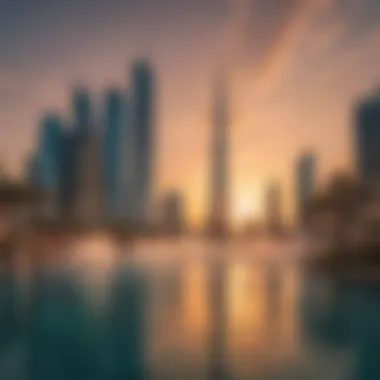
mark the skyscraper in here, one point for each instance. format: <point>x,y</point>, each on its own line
<point>143,118</point>
<point>305,183</point>
<point>274,208</point>
<point>218,213</point>
<point>172,212</point>
<point>114,154</point>
<point>89,188</point>
<point>48,162</point>
<point>82,112</point>
<point>367,126</point>
<point>88,164</point>
<point>69,168</point>
<point>32,171</point>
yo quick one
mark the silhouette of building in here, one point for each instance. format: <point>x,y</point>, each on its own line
<point>82,110</point>
<point>305,183</point>
<point>130,164</point>
<point>89,205</point>
<point>69,168</point>
<point>47,163</point>
<point>367,125</point>
<point>173,212</point>
<point>32,171</point>
<point>218,321</point>
<point>143,118</point>
<point>93,173</point>
<point>218,213</point>
<point>274,208</point>
<point>128,325</point>
<point>114,154</point>
<point>88,181</point>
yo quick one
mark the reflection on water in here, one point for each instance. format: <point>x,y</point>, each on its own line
<point>220,315</point>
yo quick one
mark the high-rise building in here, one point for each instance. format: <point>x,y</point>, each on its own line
<point>130,192</point>
<point>218,213</point>
<point>274,208</point>
<point>305,183</point>
<point>89,194</point>
<point>114,154</point>
<point>143,118</point>
<point>32,171</point>
<point>367,126</point>
<point>48,162</point>
<point>82,110</point>
<point>172,212</point>
<point>69,167</point>
<point>87,175</point>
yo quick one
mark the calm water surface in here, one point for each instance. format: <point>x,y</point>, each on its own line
<point>185,310</point>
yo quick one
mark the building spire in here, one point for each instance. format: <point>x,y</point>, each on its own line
<point>218,217</point>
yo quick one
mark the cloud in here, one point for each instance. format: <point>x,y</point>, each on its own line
<point>263,36</point>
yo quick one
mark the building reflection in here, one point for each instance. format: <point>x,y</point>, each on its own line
<point>226,319</point>
<point>9,319</point>
<point>219,317</point>
<point>218,320</point>
<point>179,322</point>
<point>262,318</point>
<point>59,330</point>
<point>127,325</point>
<point>345,319</point>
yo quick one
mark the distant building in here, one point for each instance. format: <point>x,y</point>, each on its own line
<point>82,110</point>
<point>114,154</point>
<point>130,192</point>
<point>89,205</point>
<point>305,183</point>
<point>218,224</point>
<point>69,170</point>
<point>367,125</point>
<point>173,212</point>
<point>87,176</point>
<point>32,171</point>
<point>47,163</point>
<point>274,221</point>
<point>143,118</point>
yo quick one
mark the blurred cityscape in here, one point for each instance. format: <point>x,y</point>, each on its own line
<point>203,204</point>
<point>95,168</point>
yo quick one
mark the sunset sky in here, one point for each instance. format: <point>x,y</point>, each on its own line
<point>296,69</point>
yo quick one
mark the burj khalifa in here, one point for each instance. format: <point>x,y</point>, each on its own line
<point>219,185</point>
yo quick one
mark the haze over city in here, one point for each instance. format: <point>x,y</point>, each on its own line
<point>297,69</point>
<point>189,189</point>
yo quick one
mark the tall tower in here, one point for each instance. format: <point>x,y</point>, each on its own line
<point>82,111</point>
<point>114,153</point>
<point>48,162</point>
<point>218,216</point>
<point>69,168</point>
<point>367,135</point>
<point>143,124</point>
<point>274,208</point>
<point>88,180</point>
<point>305,173</point>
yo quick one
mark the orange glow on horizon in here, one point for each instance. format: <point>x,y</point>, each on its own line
<point>246,206</point>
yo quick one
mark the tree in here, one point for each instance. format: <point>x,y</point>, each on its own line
<point>342,202</point>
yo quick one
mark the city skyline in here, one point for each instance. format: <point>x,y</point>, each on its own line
<point>95,164</point>
<point>303,98</point>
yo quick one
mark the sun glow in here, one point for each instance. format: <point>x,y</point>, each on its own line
<point>247,206</point>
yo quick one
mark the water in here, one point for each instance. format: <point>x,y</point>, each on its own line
<point>186,311</point>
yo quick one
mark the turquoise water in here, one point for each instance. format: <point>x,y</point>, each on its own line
<point>186,315</point>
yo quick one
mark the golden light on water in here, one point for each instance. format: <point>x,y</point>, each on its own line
<point>194,298</point>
